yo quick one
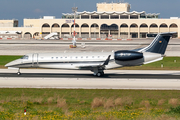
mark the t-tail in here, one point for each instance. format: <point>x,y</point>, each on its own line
<point>159,44</point>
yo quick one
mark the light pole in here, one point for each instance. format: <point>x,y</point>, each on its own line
<point>94,30</point>
<point>74,9</point>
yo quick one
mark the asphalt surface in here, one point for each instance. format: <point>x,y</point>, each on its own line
<point>111,76</point>
<point>22,47</point>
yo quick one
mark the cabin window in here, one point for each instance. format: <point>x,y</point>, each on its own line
<point>81,57</point>
<point>52,57</point>
<point>76,57</point>
<point>98,56</point>
<point>42,57</point>
<point>61,57</point>
<point>92,56</point>
<point>65,57</point>
<point>86,56</point>
<point>56,57</point>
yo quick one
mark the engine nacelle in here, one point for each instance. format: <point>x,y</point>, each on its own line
<point>126,55</point>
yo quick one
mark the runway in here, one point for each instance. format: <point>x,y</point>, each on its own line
<point>110,76</point>
<point>69,79</point>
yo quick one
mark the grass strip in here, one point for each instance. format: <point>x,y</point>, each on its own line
<point>4,59</point>
<point>89,104</point>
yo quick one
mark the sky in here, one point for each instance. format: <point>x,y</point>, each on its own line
<point>20,9</point>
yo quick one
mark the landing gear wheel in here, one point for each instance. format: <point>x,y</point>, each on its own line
<point>99,74</point>
<point>18,73</point>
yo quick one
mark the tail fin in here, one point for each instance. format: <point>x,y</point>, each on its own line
<point>159,44</point>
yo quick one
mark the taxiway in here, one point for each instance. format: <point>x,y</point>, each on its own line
<point>22,47</point>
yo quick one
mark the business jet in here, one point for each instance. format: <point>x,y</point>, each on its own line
<point>96,62</point>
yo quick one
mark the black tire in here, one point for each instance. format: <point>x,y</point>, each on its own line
<point>99,74</point>
<point>18,73</point>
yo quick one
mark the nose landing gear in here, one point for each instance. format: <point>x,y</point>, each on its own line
<point>18,73</point>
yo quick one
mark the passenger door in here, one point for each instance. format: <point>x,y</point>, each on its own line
<point>35,60</point>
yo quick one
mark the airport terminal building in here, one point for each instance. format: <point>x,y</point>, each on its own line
<point>111,20</point>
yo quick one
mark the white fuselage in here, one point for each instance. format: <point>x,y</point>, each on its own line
<point>78,60</point>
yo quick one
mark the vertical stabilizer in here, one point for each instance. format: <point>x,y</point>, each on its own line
<point>159,44</point>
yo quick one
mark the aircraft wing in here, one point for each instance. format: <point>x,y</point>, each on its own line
<point>99,66</point>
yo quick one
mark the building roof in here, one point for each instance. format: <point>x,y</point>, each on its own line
<point>111,13</point>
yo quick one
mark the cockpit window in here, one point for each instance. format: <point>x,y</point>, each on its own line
<point>25,57</point>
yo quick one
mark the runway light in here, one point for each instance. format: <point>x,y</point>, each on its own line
<point>162,65</point>
<point>24,111</point>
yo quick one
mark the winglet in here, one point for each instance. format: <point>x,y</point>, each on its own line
<point>107,60</point>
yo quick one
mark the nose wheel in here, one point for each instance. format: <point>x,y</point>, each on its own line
<point>18,73</point>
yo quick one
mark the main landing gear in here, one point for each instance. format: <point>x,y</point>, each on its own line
<point>99,74</point>
<point>18,73</point>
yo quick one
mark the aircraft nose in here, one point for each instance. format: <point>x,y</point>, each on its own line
<point>13,63</point>
<point>10,64</point>
<point>7,65</point>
